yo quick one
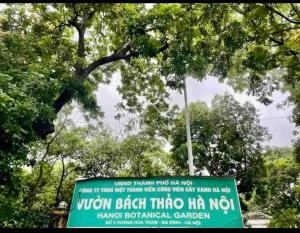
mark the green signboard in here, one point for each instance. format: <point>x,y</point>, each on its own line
<point>156,202</point>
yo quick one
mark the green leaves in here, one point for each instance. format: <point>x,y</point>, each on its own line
<point>280,195</point>
<point>30,76</point>
<point>226,140</point>
<point>253,46</point>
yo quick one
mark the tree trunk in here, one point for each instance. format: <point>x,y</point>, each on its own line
<point>62,177</point>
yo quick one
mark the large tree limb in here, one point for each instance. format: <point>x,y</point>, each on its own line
<point>119,55</point>
<point>280,42</point>
<point>80,73</point>
<point>282,15</point>
<point>81,44</point>
<point>64,98</point>
<point>109,59</point>
<point>122,54</point>
<point>81,31</point>
<point>295,9</point>
<point>236,8</point>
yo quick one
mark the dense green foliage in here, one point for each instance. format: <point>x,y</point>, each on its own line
<point>71,153</point>
<point>144,157</point>
<point>226,140</point>
<point>217,132</point>
<point>281,192</point>
<point>52,54</point>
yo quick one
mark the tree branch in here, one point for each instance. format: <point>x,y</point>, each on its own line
<point>119,55</point>
<point>64,98</point>
<point>74,22</point>
<point>80,49</point>
<point>88,17</point>
<point>279,43</point>
<point>81,32</point>
<point>60,26</point>
<point>236,8</point>
<point>295,9</point>
<point>34,189</point>
<point>282,15</point>
<point>276,41</point>
<point>62,177</point>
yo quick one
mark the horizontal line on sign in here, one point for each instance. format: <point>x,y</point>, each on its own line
<point>167,177</point>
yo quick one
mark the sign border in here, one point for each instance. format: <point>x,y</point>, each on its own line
<point>151,177</point>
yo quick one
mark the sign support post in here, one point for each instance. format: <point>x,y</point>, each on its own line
<point>188,133</point>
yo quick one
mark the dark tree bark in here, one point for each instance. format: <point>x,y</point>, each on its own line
<point>62,178</point>
<point>64,98</point>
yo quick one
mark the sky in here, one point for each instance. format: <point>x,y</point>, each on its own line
<point>276,120</point>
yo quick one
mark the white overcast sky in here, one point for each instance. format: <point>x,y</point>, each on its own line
<point>271,117</point>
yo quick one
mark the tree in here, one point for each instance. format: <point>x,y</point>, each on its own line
<point>74,47</point>
<point>296,151</point>
<point>280,198</point>
<point>142,155</point>
<point>269,57</point>
<point>70,153</point>
<point>99,157</point>
<point>30,74</point>
<point>11,203</point>
<point>226,140</point>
